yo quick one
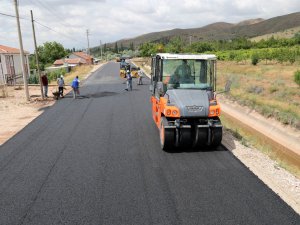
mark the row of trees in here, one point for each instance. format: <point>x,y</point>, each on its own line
<point>116,49</point>
<point>239,50</point>
<point>281,55</point>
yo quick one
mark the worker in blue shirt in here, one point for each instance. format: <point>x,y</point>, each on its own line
<point>75,86</point>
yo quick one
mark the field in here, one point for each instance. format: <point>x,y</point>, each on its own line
<point>267,88</point>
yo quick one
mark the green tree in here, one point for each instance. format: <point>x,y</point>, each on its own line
<point>116,48</point>
<point>51,51</point>
<point>254,58</point>
<point>131,46</point>
<point>146,49</point>
<point>175,45</point>
<point>201,47</point>
<point>297,77</point>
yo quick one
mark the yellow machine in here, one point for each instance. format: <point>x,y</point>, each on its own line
<point>124,66</point>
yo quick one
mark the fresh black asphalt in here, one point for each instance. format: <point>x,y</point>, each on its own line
<point>97,160</point>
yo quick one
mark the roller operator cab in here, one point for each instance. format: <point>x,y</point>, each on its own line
<point>184,104</point>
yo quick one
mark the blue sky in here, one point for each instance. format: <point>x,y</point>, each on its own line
<point>110,20</point>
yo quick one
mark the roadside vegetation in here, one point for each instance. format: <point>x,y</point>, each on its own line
<point>267,89</point>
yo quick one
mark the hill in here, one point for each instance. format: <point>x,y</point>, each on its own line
<point>220,31</point>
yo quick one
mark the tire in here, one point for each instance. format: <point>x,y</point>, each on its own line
<point>200,138</point>
<point>185,140</point>
<point>216,136</point>
<point>167,136</point>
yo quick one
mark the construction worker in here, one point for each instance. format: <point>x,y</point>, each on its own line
<point>61,84</point>
<point>45,84</point>
<point>140,81</point>
<point>75,86</point>
<point>129,81</point>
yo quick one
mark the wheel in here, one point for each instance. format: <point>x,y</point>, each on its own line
<point>216,136</point>
<point>200,137</point>
<point>167,136</point>
<point>185,138</point>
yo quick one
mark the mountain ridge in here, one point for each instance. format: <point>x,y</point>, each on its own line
<point>218,31</point>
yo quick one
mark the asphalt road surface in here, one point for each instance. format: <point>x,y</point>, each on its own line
<point>97,160</point>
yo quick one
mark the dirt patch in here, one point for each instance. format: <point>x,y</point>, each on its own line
<point>16,112</point>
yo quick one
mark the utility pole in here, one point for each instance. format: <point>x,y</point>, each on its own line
<point>88,41</point>
<point>190,39</point>
<point>101,49</point>
<point>21,52</point>
<point>37,56</point>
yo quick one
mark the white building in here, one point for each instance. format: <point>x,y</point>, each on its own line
<point>10,65</point>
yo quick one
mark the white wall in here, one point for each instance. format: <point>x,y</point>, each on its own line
<point>2,69</point>
<point>17,65</point>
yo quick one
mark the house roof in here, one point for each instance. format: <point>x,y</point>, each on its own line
<point>71,61</point>
<point>83,55</point>
<point>9,50</point>
<point>75,61</point>
<point>58,62</point>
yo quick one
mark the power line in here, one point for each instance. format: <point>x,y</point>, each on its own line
<point>51,11</point>
<point>8,15</point>
<point>57,32</point>
<point>4,14</point>
<point>13,16</point>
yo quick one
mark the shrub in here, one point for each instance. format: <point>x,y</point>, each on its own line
<point>297,77</point>
<point>254,59</point>
<point>33,79</point>
<point>53,75</point>
<point>273,89</point>
<point>255,89</point>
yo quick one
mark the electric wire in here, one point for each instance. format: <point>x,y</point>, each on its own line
<point>13,16</point>
<point>57,32</point>
<point>51,11</point>
<point>8,15</point>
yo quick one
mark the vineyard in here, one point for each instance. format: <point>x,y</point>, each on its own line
<point>239,50</point>
<point>266,55</point>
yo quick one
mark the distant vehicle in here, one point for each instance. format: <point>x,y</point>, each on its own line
<point>184,104</point>
<point>124,66</point>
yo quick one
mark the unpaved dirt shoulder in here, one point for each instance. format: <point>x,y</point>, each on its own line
<point>16,112</point>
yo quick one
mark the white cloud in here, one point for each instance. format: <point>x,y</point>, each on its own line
<point>111,20</point>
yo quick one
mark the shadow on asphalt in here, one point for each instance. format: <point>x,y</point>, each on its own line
<point>102,94</point>
<point>220,148</point>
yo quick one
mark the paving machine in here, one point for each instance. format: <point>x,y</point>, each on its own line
<point>184,104</point>
<point>124,66</point>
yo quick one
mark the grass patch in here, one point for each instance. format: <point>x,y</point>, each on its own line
<point>80,71</point>
<point>269,89</point>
